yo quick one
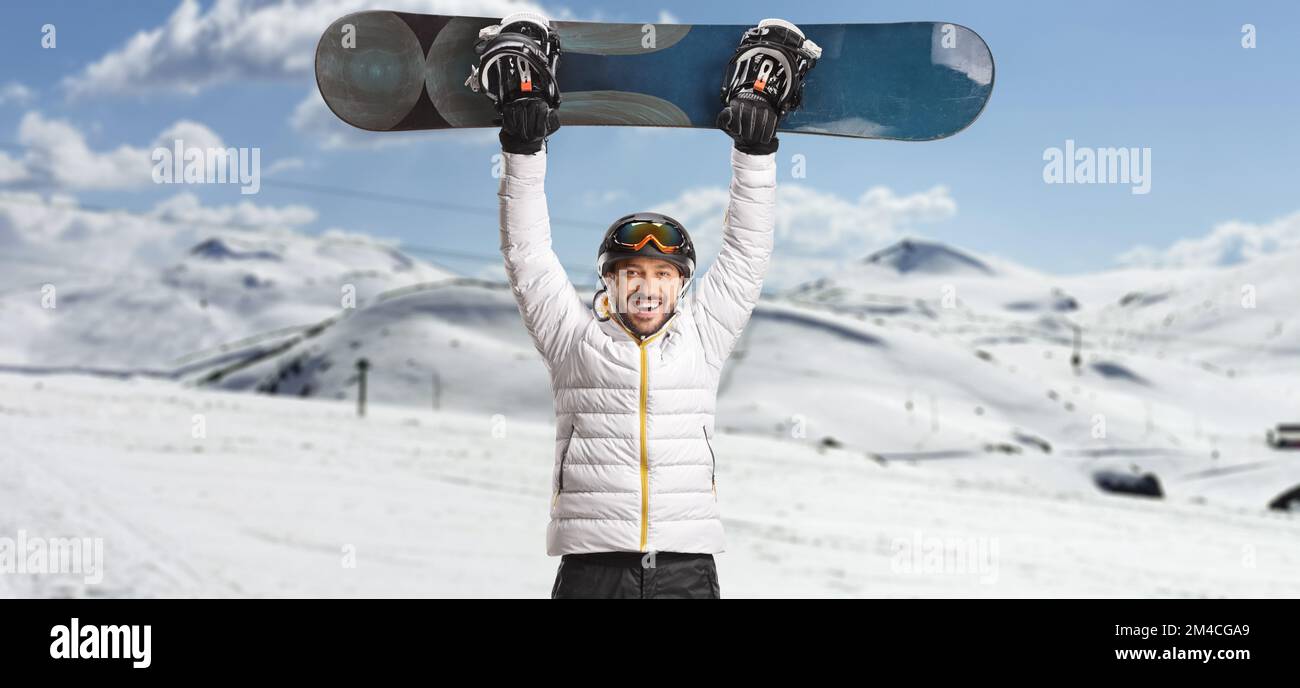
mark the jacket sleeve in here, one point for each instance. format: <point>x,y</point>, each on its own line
<point>552,311</point>
<point>728,292</point>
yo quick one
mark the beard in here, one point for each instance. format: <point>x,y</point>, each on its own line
<point>645,327</point>
<point>645,323</point>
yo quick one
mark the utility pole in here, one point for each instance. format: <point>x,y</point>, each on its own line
<point>437,391</point>
<point>362,366</point>
<point>1076,359</point>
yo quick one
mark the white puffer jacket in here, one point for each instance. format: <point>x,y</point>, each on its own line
<point>634,469</point>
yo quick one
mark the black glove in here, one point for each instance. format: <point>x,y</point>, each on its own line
<point>751,120</point>
<point>525,124</point>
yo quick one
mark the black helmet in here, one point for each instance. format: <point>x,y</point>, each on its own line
<point>651,235</point>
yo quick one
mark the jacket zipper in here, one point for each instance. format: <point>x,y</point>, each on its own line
<point>645,465</point>
<point>563,457</point>
<point>645,462</point>
<point>713,477</point>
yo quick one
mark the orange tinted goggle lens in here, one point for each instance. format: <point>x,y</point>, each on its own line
<point>636,235</point>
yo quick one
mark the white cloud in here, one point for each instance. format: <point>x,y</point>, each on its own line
<point>815,221</point>
<point>55,235</point>
<point>185,208</point>
<point>1229,243</point>
<point>16,93</point>
<point>243,40</point>
<point>346,235</point>
<point>11,170</point>
<point>192,134</point>
<point>815,230</point>
<point>666,17</point>
<point>56,154</point>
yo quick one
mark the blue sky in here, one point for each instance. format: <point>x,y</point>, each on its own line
<point>1219,120</point>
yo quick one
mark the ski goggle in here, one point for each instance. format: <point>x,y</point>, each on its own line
<point>635,234</point>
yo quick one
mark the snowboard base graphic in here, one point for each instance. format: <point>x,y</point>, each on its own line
<point>917,81</point>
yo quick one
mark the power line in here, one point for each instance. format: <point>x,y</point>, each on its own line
<point>408,200</point>
<point>429,250</point>
<point>415,248</point>
<point>363,194</point>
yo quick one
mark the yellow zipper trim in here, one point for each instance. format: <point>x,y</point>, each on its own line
<point>645,465</point>
<point>645,462</point>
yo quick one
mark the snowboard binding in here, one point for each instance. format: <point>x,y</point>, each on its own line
<point>518,58</point>
<point>772,60</point>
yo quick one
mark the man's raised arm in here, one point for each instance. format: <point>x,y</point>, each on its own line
<point>763,81</point>
<point>730,289</point>
<point>552,310</point>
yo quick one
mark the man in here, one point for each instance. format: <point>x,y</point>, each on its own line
<point>634,511</point>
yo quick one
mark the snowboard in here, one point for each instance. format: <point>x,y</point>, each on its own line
<point>915,81</point>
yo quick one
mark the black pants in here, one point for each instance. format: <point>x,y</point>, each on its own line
<point>636,575</point>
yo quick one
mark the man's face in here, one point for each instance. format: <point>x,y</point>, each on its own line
<point>645,291</point>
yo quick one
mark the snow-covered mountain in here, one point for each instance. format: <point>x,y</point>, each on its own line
<point>230,286</point>
<point>911,256</point>
<point>1186,360</point>
<point>914,275</point>
<point>456,344</point>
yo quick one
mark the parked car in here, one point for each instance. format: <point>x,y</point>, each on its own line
<point>1285,436</point>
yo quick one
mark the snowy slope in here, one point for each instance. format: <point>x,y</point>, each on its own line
<point>1239,318</point>
<point>874,360</point>
<point>457,343</point>
<point>451,504</point>
<point>920,352</point>
<point>1168,358</point>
